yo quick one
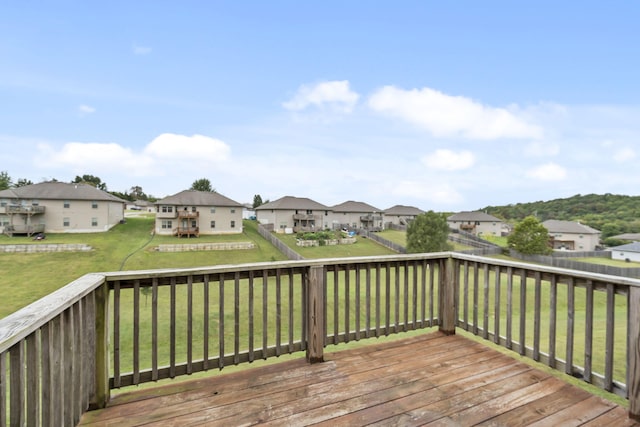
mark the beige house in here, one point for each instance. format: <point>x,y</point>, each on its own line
<point>401,215</point>
<point>58,207</point>
<point>356,215</point>
<point>191,213</point>
<point>292,214</point>
<point>572,236</point>
<point>477,223</point>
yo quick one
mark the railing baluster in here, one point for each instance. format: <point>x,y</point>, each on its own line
<point>347,295</point>
<point>476,291</point>
<point>236,316</point>
<point>67,355</point>
<point>414,300</point>
<point>154,329</point>
<point>609,337</point>
<point>189,325</point>
<point>3,389</point>
<point>523,313</point>
<point>377,310</point>
<point>172,333</point>
<point>509,336</point>
<point>497,305</point>
<point>265,307</point>
<point>33,380</point>
<point>358,305</point>
<point>278,313</point>
<point>77,372</point>
<point>588,333</point>
<point>336,305</point>
<point>116,334</point>
<point>485,301</point>
<point>465,295</point>
<point>405,270</point>
<point>568,369</point>
<point>16,374</point>
<point>368,301</point>
<point>553,315</point>
<point>205,322</point>
<point>423,300</point>
<point>47,391</point>
<point>432,294</point>
<point>221,322</point>
<point>536,316</point>
<point>291,309</point>
<point>251,321</point>
<point>396,297</point>
<point>136,332</point>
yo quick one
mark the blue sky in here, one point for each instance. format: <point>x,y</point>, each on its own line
<point>445,106</point>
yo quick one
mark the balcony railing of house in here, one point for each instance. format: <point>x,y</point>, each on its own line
<point>188,214</point>
<point>25,210</point>
<point>307,217</point>
<point>63,354</point>
<point>370,218</point>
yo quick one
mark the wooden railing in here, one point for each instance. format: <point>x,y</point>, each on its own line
<point>62,354</point>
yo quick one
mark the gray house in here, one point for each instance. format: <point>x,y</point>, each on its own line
<point>292,214</point>
<point>630,251</point>
<point>571,235</point>
<point>401,215</point>
<point>478,223</point>
<point>58,207</point>
<point>356,215</point>
<point>191,213</point>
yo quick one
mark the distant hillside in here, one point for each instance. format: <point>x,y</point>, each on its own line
<point>610,213</point>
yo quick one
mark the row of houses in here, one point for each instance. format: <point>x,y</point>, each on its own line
<point>58,207</point>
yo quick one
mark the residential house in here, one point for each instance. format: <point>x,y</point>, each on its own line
<point>141,205</point>
<point>477,223</point>
<point>191,213</point>
<point>401,215</point>
<point>356,215</point>
<point>292,214</point>
<point>58,207</point>
<point>628,252</point>
<point>571,235</point>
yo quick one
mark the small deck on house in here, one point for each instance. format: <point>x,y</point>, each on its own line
<point>430,379</point>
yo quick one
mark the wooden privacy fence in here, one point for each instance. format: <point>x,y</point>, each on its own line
<point>61,355</point>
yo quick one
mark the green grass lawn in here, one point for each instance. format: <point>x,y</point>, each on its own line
<point>608,261</point>
<point>362,247</point>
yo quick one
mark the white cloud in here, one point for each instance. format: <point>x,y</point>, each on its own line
<point>624,155</point>
<point>451,116</point>
<point>140,50</point>
<point>199,148</point>
<point>86,109</point>
<point>441,194</point>
<point>541,149</point>
<point>334,95</point>
<point>548,172</point>
<point>89,155</point>
<point>449,160</point>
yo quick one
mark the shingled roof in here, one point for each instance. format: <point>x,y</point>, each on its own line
<point>403,210</point>
<point>58,191</point>
<point>290,202</point>
<point>351,206</point>
<point>198,198</point>
<point>557,226</point>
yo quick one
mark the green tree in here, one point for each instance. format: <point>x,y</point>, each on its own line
<point>202,184</point>
<point>91,180</point>
<point>257,201</point>
<point>22,182</point>
<point>5,180</point>
<point>136,193</point>
<point>530,237</point>
<point>428,232</point>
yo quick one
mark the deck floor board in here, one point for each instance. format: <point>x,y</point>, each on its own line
<point>430,379</point>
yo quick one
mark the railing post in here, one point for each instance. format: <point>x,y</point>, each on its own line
<point>101,395</point>
<point>447,297</point>
<point>315,315</point>
<point>633,372</point>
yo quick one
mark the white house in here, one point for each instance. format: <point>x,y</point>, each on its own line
<point>630,251</point>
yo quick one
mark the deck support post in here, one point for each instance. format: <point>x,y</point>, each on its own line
<point>315,314</point>
<point>447,297</point>
<point>633,371</point>
<point>101,395</point>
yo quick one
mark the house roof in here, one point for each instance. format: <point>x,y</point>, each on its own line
<point>351,206</point>
<point>473,216</point>
<point>627,236</point>
<point>198,198</point>
<point>59,191</point>
<point>557,226</point>
<point>629,247</point>
<point>290,202</point>
<point>403,210</point>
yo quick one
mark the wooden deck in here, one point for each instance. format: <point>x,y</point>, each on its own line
<point>431,379</point>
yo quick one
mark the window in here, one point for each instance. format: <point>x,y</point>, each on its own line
<point>212,210</point>
<point>66,204</point>
<point>166,224</point>
<point>3,203</point>
<point>193,208</point>
<point>213,224</point>
<point>194,224</point>
<point>167,209</point>
<point>233,224</point>
<point>94,222</point>
<point>233,210</point>
<point>35,202</point>
<point>94,205</point>
<point>309,211</point>
<point>65,222</point>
